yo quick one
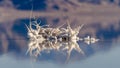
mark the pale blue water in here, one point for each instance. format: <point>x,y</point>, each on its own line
<point>100,60</point>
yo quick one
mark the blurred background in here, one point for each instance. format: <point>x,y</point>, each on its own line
<point>101,19</point>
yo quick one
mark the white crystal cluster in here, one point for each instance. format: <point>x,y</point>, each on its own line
<point>47,39</point>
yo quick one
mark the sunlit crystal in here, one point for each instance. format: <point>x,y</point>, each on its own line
<point>90,40</point>
<point>60,39</point>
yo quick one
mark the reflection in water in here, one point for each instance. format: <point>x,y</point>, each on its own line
<point>101,21</point>
<point>104,60</point>
<point>90,40</point>
<point>60,39</point>
<point>106,35</point>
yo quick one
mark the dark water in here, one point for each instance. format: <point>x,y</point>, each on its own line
<point>27,4</point>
